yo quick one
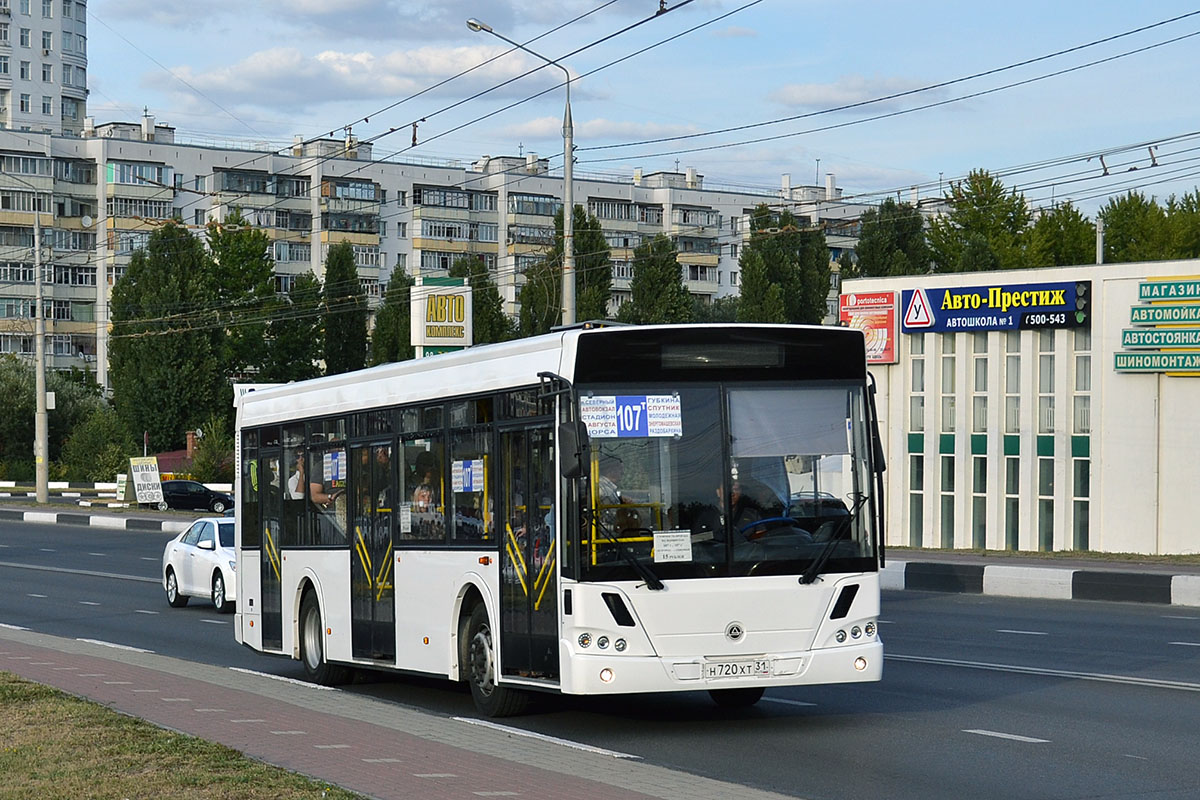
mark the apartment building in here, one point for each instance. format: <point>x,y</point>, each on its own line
<point>95,198</point>
<point>43,66</point>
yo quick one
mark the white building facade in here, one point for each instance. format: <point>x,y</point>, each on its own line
<point>43,66</point>
<point>1037,410</point>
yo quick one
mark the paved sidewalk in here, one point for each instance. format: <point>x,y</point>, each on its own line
<point>377,749</point>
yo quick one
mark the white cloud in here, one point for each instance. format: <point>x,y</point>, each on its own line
<point>298,80</point>
<point>844,91</point>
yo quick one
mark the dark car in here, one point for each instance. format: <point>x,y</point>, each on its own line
<point>817,508</point>
<point>193,496</point>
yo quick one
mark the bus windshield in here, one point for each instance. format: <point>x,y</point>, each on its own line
<point>714,480</point>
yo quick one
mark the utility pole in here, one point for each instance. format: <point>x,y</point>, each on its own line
<point>41,427</point>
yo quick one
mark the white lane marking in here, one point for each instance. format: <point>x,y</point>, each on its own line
<point>496,794</point>
<point>214,622</point>
<point>1186,644</point>
<point>1022,633</point>
<point>118,683</point>
<point>12,627</point>
<point>176,699</point>
<point>1054,673</point>
<point>145,690</point>
<point>383,761</point>
<point>247,720</point>
<point>88,603</point>
<point>101,555</point>
<point>143,611</point>
<point>886,621</point>
<point>46,550</point>
<point>434,775</point>
<point>1012,736</point>
<point>89,572</point>
<point>149,558</point>
<point>587,748</point>
<point>37,595</point>
<point>290,733</point>
<point>787,702</point>
<point>21,658</point>
<point>331,746</point>
<point>114,645</point>
<point>1139,758</point>
<point>41,663</point>
<point>285,680</point>
<point>1174,616</point>
<point>91,675</point>
<point>210,710</point>
<point>64,669</point>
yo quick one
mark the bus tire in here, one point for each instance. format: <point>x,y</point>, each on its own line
<point>312,646</point>
<point>736,698</point>
<point>491,699</point>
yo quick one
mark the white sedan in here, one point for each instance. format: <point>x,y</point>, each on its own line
<point>200,562</point>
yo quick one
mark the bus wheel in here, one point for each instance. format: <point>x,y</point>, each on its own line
<point>735,698</point>
<point>312,646</point>
<point>491,700</point>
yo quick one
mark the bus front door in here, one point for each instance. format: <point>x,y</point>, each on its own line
<point>528,556</point>
<point>271,562</point>
<point>372,591</point>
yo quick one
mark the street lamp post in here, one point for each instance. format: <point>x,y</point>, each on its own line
<point>568,131</point>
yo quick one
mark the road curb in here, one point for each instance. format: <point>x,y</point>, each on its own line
<point>97,520</point>
<point>1049,583</point>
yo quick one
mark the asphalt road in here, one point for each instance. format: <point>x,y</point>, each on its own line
<point>982,697</point>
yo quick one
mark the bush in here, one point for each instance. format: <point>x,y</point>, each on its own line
<point>98,448</point>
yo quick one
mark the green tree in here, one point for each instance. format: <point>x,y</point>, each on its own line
<point>1061,237</point>
<point>213,459</point>
<point>167,340</point>
<point>719,309</point>
<point>391,339</point>
<point>541,298</point>
<point>99,447</point>
<point>293,344</point>
<point>986,216</point>
<point>658,293</point>
<point>796,259</point>
<point>488,320</point>
<point>892,241</point>
<point>1135,229</point>
<point>761,300</point>
<point>1183,225</point>
<point>345,312</point>
<point>243,286</point>
<point>74,403</point>
<point>848,266</point>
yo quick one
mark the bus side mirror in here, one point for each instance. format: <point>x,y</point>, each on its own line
<point>572,446</point>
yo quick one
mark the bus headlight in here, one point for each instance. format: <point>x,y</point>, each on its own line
<point>585,640</point>
<point>869,629</point>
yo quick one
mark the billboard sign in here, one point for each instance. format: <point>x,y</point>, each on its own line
<point>997,307</point>
<point>873,313</point>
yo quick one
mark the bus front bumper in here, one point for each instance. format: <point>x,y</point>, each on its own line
<point>617,674</point>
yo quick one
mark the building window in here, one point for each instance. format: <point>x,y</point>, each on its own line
<point>3,33</point>
<point>1046,382</point>
<point>25,70</point>
<point>47,40</point>
<point>25,103</point>
<point>916,498</point>
<point>3,65</point>
<point>1045,487</point>
<point>1081,479</point>
<point>949,382</point>
<point>947,502</point>
<point>916,388</point>
<point>47,9</point>
<point>47,105</point>
<point>47,73</point>
<point>24,37</point>
<point>979,502</point>
<point>1012,502</point>
<point>1081,402</point>
<point>25,7</point>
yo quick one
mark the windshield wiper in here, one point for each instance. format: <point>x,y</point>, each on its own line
<point>643,570</point>
<point>818,564</point>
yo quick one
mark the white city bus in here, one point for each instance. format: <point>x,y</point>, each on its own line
<point>603,510</point>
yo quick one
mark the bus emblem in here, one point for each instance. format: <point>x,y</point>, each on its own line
<point>734,631</point>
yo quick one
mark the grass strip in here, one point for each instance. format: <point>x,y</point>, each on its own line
<point>55,745</point>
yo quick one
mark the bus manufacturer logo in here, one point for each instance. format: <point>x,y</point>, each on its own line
<point>734,631</point>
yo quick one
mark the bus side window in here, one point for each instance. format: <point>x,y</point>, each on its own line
<point>422,514</point>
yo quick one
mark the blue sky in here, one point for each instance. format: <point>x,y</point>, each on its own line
<point>265,70</point>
